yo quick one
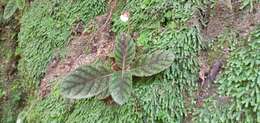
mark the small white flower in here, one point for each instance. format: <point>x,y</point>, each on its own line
<point>125,16</point>
<point>19,120</point>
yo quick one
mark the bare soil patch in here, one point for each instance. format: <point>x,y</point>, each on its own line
<point>214,21</point>
<point>100,43</point>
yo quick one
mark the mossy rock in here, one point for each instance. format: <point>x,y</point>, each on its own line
<point>165,98</point>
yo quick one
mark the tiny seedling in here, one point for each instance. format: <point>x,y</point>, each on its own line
<point>100,81</point>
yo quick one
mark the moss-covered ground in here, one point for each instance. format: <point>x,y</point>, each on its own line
<point>169,97</point>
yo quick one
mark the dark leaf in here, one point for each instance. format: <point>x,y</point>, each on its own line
<point>120,87</point>
<point>124,51</point>
<point>86,81</point>
<point>152,64</point>
<point>10,9</point>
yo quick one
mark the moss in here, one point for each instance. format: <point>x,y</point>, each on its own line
<point>14,103</point>
<point>10,90</point>
<point>157,102</point>
<point>149,107</point>
<point>166,98</point>
<point>240,83</point>
<point>98,111</point>
<point>151,15</point>
<point>54,108</point>
<point>45,29</point>
<point>218,49</point>
<point>212,111</point>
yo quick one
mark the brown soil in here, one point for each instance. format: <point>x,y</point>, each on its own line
<point>214,21</point>
<point>101,45</point>
<point>245,21</point>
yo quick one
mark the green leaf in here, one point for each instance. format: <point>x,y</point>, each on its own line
<point>124,51</point>
<point>86,81</point>
<point>152,64</point>
<point>120,87</point>
<point>20,4</point>
<point>10,9</point>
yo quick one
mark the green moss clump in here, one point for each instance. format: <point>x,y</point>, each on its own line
<point>213,111</point>
<point>13,103</point>
<point>54,108</point>
<point>241,81</point>
<point>99,112</point>
<point>45,29</point>
<point>239,84</point>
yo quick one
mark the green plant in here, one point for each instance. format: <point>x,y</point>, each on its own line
<point>98,80</point>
